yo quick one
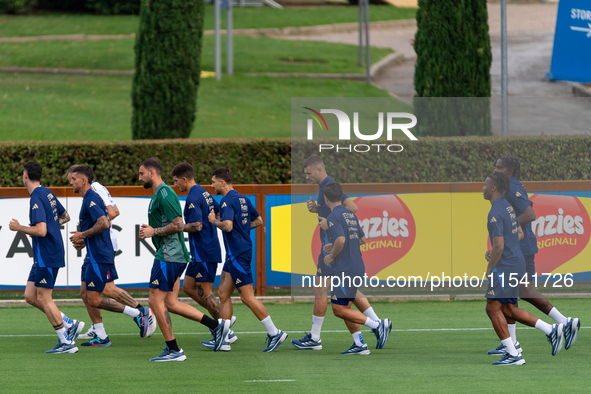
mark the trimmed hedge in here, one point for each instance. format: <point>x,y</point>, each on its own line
<point>105,7</point>
<point>269,161</point>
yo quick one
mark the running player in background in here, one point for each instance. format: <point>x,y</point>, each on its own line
<point>96,333</point>
<point>346,237</point>
<point>166,230</point>
<point>46,215</point>
<point>519,200</point>
<point>98,270</point>
<point>505,263</point>
<point>316,174</point>
<point>204,245</point>
<point>237,218</point>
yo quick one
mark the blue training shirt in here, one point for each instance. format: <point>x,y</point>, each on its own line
<point>98,247</point>
<point>204,244</point>
<point>519,201</point>
<point>502,222</point>
<point>237,208</point>
<point>343,223</point>
<point>45,208</point>
<point>324,210</point>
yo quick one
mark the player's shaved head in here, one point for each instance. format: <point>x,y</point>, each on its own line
<point>313,161</point>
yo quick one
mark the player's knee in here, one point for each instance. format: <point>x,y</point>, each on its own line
<point>337,310</point>
<point>224,295</point>
<point>31,298</point>
<point>93,301</point>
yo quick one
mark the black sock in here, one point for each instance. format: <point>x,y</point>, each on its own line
<point>172,345</point>
<point>209,322</point>
<point>139,306</point>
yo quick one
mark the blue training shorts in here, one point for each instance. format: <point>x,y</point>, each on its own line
<point>164,274</point>
<point>43,276</point>
<point>202,272</point>
<point>239,270</point>
<point>96,275</point>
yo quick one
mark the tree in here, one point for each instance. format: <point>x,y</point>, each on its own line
<point>168,67</point>
<point>453,60</point>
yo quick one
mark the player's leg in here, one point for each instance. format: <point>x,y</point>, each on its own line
<point>225,293</point>
<point>362,303</point>
<point>359,346</point>
<point>97,330</point>
<point>554,332</point>
<point>198,285</point>
<point>31,296</point>
<point>494,310</point>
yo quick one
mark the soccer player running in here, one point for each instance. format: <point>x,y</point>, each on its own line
<point>98,271</point>
<point>316,173</point>
<point>506,267</point>
<point>203,245</point>
<point>46,215</point>
<point>519,200</point>
<point>346,237</point>
<point>237,218</point>
<point>166,230</point>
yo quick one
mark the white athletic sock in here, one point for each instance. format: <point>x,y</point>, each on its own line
<point>557,316</point>
<point>371,323</point>
<point>67,321</point>
<point>544,327</point>
<point>63,335</point>
<point>132,312</point>
<point>316,327</point>
<point>100,330</point>
<point>268,323</point>
<point>509,345</point>
<point>511,328</point>
<point>371,314</point>
<point>358,338</point>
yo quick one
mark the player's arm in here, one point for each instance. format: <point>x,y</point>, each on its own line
<point>39,229</point>
<point>527,216</point>
<point>257,222</point>
<point>113,211</point>
<point>311,205</point>
<point>64,217</point>
<point>350,205</point>
<point>338,245</point>
<point>520,233</point>
<point>176,226</point>
<point>495,253</point>
<point>193,227</point>
<point>101,224</point>
<point>362,241</point>
<point>224,225</point>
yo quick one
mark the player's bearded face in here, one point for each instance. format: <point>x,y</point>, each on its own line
<point>148,183</point>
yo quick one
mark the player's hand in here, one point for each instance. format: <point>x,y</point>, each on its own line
<point>79,246</point>
<point>328,260</point>
<point>211,217</point>
<point>487,255</point>
<point>323,223</point>
<point>488,272</point>
<point>312,207</point>
<point>14,225</point>
<point>327,248</point>
<point>146,231</point>
<point>76,238</point>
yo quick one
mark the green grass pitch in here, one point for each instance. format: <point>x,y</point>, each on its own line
<point>435,346</point>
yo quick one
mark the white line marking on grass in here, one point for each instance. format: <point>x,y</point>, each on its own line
<point>264,332</point>
<point>266,381</point>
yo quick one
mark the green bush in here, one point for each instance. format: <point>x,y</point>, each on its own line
<point>453,60</point>
<point>106,7</point>
<point>167,68</point>
<point>16,6</point>
<point>269,161</point>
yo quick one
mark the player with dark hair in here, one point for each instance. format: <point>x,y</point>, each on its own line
<point>346,237</point>
<point>237,218</point>
<point>518,198</point>
<point>166,230</point>
<point>46,215</point>
<point>203,244</point>
<point>98,271</point>
<point>506,267</point>
<point>316,173</point>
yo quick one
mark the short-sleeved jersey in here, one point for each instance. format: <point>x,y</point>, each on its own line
<point>237,208</point>
<point>204,244</point>
<point>324,210</point>
<point>45,208</point>
<point>343,223</point>
<point>519,201</point>
<point>99,246</point>
<point>164,207</point>
<point>502,222</point>
<point>108,200</point>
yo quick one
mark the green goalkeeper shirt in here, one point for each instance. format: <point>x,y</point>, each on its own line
<point>164,207</point>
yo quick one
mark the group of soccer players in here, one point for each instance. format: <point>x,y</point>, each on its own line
<point>341,237</point>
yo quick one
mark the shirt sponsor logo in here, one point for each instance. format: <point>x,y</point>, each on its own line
<point>35,206</point>
<point>92,204</point>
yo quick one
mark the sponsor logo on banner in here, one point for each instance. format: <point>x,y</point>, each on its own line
<point>389,229</point>
<point>562,230</point>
